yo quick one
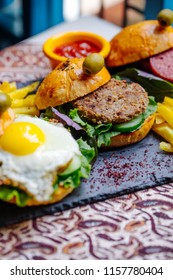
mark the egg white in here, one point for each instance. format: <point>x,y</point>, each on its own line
<point>37,171</point>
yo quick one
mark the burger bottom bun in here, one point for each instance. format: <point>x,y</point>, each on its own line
<point>125,139</point>
<point>57,196</point>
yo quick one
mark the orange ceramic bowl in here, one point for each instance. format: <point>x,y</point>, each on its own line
<point>70,37</point>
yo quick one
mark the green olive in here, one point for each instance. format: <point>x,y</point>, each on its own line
<point>165,17</point>
<point>93,63</point>
<point>5,102</point>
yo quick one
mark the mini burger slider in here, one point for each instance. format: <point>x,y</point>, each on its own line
<point>148,44</point>
<point>40,161</point>
<point>117,113</point>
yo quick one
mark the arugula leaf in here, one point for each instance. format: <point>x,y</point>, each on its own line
<point>155,86</point>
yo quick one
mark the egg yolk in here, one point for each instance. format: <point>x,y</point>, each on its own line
<point>22,138</point>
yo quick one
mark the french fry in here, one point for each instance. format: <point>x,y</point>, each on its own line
<point>23,99</point>
<point>168,101</point>
<point>164,130</point>
<point>23,92</point>
<point>27,111</point>
<point>159,119</point>
<point>29,101</point>
<point>166,147</point>
<point>163,124</point>
<point>8,87</point>
<point>166,113</point>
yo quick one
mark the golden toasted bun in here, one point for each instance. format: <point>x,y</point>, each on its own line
<point>57,196</point>
<point>6,118</point>
<point>67,82</point>
<point>139,41</point>
<point>124,139</point>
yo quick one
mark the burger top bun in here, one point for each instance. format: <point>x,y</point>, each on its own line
<point>68,82</point>
<point>139,41</point>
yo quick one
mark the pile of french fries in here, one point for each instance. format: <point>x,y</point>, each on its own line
<point>164,124</point>
<point>23,99</point>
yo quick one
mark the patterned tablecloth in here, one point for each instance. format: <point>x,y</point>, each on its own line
<point>134,226</point>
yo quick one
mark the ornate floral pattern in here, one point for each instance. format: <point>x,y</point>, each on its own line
<point>134,226</point>
<point>23,63</point>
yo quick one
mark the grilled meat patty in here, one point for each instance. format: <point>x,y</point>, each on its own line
<point>115,102</point>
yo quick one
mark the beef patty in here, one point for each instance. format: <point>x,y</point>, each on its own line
<point>115,102</point>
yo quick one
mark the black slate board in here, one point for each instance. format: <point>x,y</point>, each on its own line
<point>115,173</point>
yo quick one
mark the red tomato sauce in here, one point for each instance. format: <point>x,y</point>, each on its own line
<point>76,49</point>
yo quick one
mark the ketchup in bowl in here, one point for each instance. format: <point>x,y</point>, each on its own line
<point>80,48</point>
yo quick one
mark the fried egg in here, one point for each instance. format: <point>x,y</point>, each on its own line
<point>32,153</point>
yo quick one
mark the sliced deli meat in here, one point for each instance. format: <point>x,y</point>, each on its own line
<point>162,65</point>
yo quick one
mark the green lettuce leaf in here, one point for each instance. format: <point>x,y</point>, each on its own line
<point>102,131</point>
<point>88,154</point>
<point>151,108</point>
<point>76,118</point>
<point>74,180</point>
<point>102,128</point>
<point>155,86</point>
<point>7,193</point>
<point>105,138</point>
<point>87,151</point>
<point>92,130</point>
<point>71,181</point>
